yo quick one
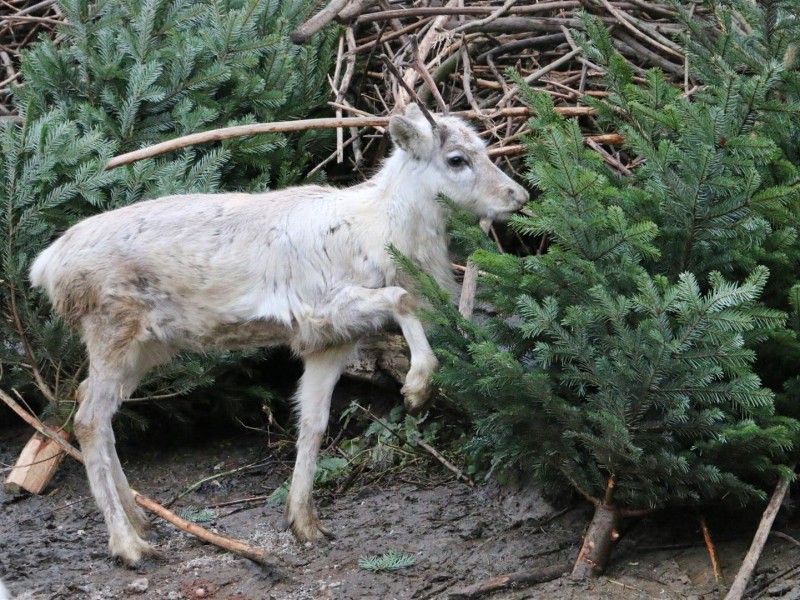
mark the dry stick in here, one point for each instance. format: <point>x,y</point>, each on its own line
<point>260,498</point>
<point>466,303</point>
<point>540,73</point>
<point>625,43</point>
<point>425,45</point>
<point>466,79</point>
<point>343,89</point>
<point>510,581</point>
<point>43,429</point>
<point>257,555</point>
<point>46,20</point>
<point>380,39</point>
<point>9,66</point>
<point>303,33</point>
<point>638,33</point>
<point>712,552</point>
<point>336,87</point>
<point>495,15</point>
<point>191,488</point>
<point>612,139</point>
<point>465,10</point>
<point>653,30</point>
<point>749,563</point>
<point>14,77</point>
<point>226,133</point>
<point>391,66</point>
<point>649,5</point>
<point>584,61</point>
<point>513,111</point>
<point>235,546</point>
<point>241,130</point>
<point>686,59</point>
<point>419,65</point>
<point>354,9</point>
<point>610,160</point>
<point>352,139</point>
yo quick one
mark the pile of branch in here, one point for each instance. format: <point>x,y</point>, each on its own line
<point>452,54</point>
<point>21,23</point>
<point>457,55</point>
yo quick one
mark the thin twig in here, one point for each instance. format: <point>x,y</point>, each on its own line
<point>712,552</point>
<point>426,77</point>
<point>391,66</point>
<point>539,74</point>
<point>189,489</point>
<point>495,15</point>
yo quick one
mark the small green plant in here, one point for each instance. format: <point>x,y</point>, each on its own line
<point>389,441</point>
<point>394,560</point>
<point>329,469</point>
<point>196,514</point>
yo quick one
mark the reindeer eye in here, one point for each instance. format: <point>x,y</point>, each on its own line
<point>456,161</point>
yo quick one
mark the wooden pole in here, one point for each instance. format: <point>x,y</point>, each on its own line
<point>751,558</point>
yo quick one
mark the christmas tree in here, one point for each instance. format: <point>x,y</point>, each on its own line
<point>620,361</point>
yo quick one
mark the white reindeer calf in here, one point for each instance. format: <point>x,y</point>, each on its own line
<point>306,267</point>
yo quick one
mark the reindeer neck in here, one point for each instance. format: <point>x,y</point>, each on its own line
<point>417,218</point>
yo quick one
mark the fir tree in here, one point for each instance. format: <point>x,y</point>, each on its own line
<point>620,363</point>
<point>124,75</point>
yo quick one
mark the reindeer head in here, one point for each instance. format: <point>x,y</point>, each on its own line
<point>455,163</point>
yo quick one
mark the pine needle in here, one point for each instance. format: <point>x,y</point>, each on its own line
<point>394,560</point>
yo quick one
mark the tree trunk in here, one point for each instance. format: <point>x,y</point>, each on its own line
<point>598,543</point>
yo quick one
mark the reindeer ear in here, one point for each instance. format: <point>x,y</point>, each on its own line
<point>411,134</point>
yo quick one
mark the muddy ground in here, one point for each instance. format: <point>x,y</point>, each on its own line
<point>54,546</point>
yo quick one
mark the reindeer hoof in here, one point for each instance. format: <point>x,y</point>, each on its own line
<point>309,529</point>
<point>132,551</point>
<point>416,392</point>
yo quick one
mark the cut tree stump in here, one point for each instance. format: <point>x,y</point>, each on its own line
<point>598,543</point>
<point>36,465</point>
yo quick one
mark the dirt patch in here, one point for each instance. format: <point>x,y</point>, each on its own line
<point>54,546</point>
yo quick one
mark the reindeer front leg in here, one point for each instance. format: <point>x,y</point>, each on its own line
<point>322,370</point>
<point>417,388</point>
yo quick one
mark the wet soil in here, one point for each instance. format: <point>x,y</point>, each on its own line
<point>53,546</point>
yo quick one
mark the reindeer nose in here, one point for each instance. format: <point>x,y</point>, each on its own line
<point>518,194</point>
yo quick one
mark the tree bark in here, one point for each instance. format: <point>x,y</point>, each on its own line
<point>598,543</point>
